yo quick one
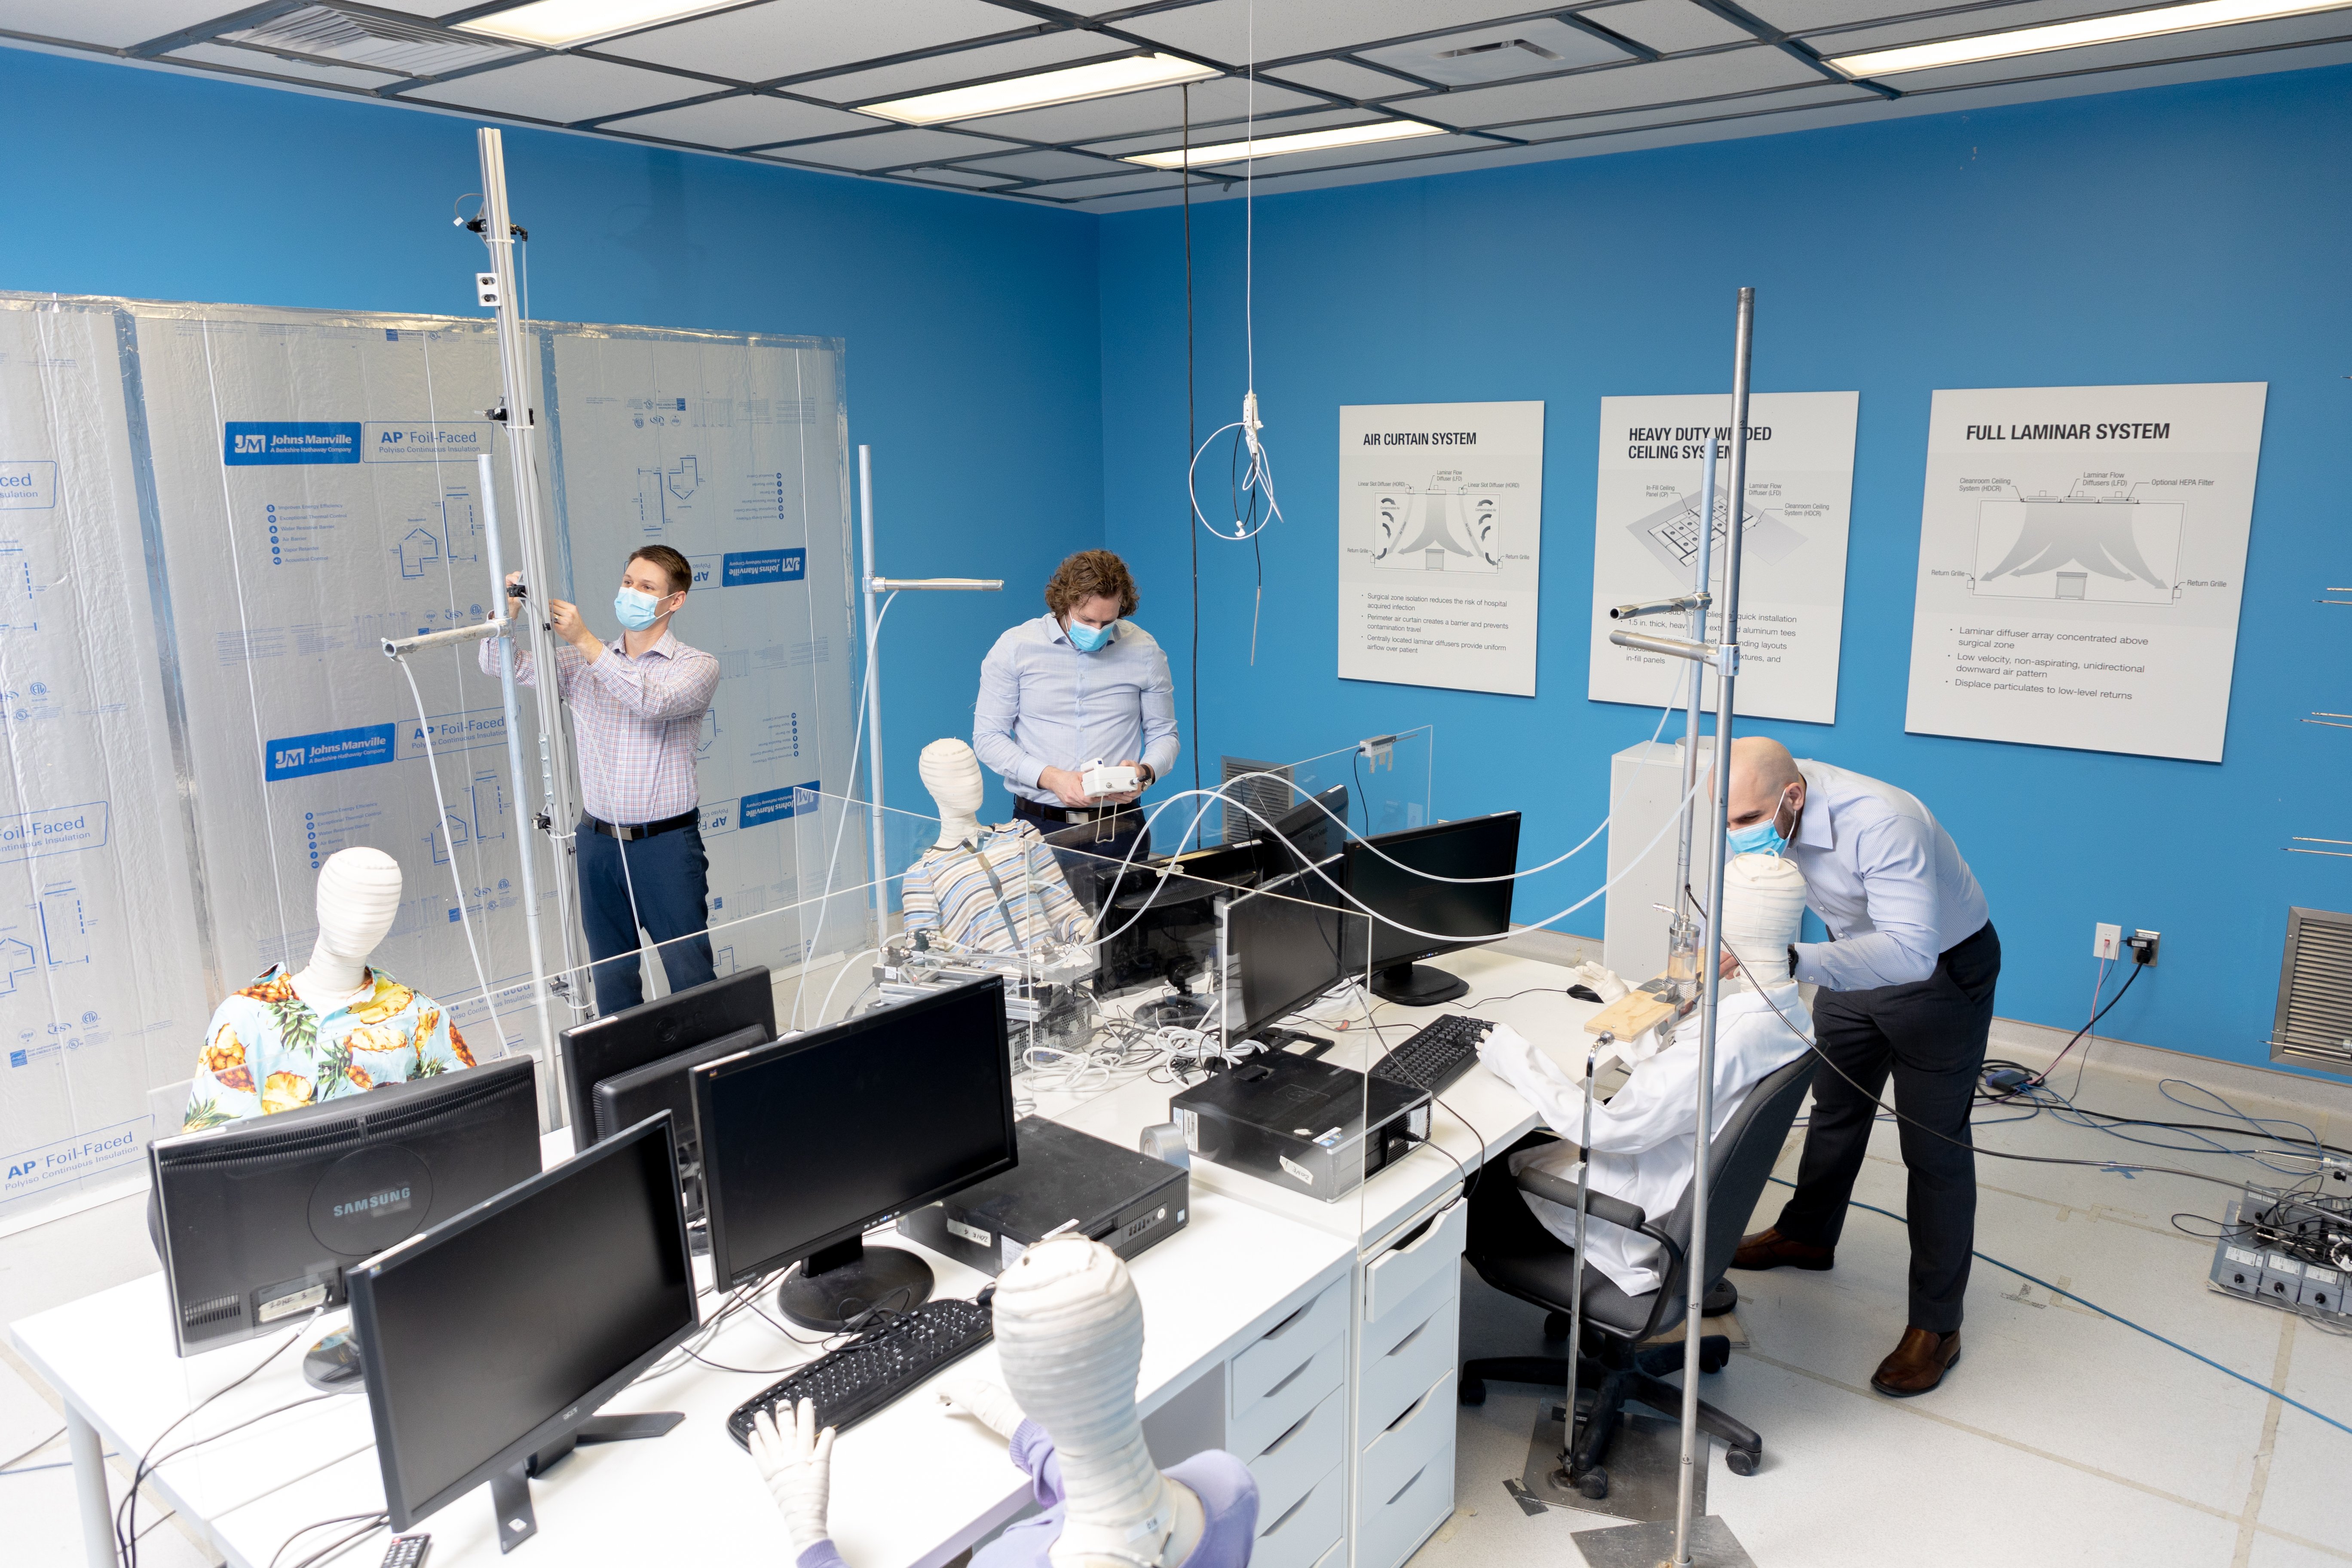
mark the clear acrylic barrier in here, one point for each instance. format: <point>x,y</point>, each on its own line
<point>1388,779</point>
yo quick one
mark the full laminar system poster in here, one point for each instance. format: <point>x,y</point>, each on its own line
<point>1645,543</point>
<point>1441,522</point>
<point>2082,557</point>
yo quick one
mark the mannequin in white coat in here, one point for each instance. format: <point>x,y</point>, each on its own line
<point>1069,1340</point>
<point>1644,1139</point>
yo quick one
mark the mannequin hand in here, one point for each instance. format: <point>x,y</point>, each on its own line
<point>984,1402</point>
<point>796,1461</point>
<point>1067,786</point>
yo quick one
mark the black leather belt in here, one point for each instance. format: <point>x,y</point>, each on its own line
<point>645,830</point>
<point>1023,807</point>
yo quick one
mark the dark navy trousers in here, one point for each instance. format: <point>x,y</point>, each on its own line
<point>670,876</point>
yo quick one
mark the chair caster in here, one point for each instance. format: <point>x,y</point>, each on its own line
<point>1556,1325</point>
<point>1713,1352</point>
<point>1741,1461</point>
<point>1594,1484</point>
<point>1473,1391</point>
<point>1719,1300</point>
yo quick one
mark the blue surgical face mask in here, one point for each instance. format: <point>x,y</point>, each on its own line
<point>636,609</point>
<point>1087,639</point>
<point>1763,838</point>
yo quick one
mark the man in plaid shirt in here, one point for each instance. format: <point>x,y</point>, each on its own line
<point>636,710</point>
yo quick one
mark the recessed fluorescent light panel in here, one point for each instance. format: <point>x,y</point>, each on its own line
<point>561,24</point>
<point>1075,84</point>
<point>2074,35</point>
<point>1303,142</point>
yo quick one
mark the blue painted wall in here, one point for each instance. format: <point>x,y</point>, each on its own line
<point>973,355</point>
<point>2179,234</point>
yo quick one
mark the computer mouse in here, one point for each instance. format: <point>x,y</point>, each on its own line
<point>1584,993</point>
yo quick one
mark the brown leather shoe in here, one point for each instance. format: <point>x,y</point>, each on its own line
<point>1770,1250</point>
<point>1917,1364</point>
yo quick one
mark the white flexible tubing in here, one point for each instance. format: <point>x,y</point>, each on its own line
<point>457,883</point>
<point>856,740</point>
<point>1260,477</point>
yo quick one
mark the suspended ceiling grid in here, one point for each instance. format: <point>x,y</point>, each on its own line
<point>784,80</point>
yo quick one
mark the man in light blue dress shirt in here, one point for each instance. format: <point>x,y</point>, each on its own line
<point>1079,684</point>
<point>1906,992</point>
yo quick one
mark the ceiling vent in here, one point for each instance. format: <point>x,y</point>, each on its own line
<point>2314,1025</point>
<point>332,34</point>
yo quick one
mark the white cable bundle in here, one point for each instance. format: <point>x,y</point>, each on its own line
<point>1763,910</point>
<point>1069,1340</point>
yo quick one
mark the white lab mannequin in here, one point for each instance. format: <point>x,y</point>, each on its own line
<point>359,898</point>
<point>1643,1139</point>
<point>952,772</point>
<point>1069,1340</point>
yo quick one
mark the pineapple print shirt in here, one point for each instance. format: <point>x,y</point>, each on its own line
<point>266,1050</point>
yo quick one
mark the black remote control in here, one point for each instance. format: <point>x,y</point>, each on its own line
<point>408,1552</point>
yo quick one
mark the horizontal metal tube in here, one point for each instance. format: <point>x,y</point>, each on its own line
<point>1683,604</point>
<point>1680,648</point>
<point>395,648</point>
<point>913,585</point>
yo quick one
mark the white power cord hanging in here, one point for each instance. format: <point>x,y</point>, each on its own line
<point>856,740</point>
<point>457,883</point>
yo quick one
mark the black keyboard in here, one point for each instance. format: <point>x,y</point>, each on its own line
<point>850,1383</point>
<point>1437,1054</point>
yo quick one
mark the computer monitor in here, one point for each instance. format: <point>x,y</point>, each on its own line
<point>488,1341</point>
<point>1284,945</point>
<point>1461,913</point>
<point>627,1099</point>
<point>257,1220</point>
<point>808,1143</point>
<point>1306,835</point>
<point>608,1046</point>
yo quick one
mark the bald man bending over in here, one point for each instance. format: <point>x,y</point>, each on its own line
<point>1905,990</point>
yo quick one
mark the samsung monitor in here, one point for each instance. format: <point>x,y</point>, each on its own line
<point>488,1341</point>
<point>1412,917</point>
<point>1284,945</point>
<point>809,1142</point>
<point>608,1046</point>
<point>257,1220</point>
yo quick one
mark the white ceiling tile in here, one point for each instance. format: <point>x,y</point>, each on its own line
<point>561,87</point>
<point>966,65</point>
<point>1349,80</point>
<point>1804,15</point>
<point>1168,141</point>
<point>892,148</point>
<point>1630,87</point>
<point>364,38</point>
<point>1222,28</point>
<point>1119,185</point>
<point>2324,25</point>
<point>1524,48</point>
<point>1670,26</point>
<point>1829,94</point>
<point>793,37</point>
<point>969,182</point>
<point>116,24</point>
<point>749,120</point>
<point>1927,29</point>
<point>274,65</point>
<point>1213,102</point>
<point>1044,165</point>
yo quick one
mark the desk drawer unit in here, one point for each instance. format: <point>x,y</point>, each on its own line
<point>1408,1337</point>
<point>1300,1534</point>
<point>1399,1356</point>
<point>1397,1272</point>
<point>1286,1373</point>
<point>1303,1452</point>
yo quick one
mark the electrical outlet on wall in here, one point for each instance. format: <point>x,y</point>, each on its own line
<point>2106,941</point>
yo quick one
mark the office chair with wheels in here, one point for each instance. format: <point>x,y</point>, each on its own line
<point>1513,1252</point>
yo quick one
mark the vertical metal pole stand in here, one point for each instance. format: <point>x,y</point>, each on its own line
<point>1705,1541</point>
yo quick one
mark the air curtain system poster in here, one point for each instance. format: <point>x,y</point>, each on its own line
<point>1441,520</point>
<point>2082,557</point>
<point>1792,552</point>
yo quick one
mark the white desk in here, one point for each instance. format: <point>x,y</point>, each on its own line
<point>911,1486</point>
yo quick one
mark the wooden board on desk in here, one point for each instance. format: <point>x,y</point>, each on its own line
<point>1630,1014</point>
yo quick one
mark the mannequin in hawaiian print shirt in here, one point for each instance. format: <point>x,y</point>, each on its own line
<point>337,1027</point>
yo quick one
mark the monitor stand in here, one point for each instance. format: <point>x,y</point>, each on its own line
<point>828,1290</point>
<point>510,1488</point>
<point>333,1365</point>
<point>1417,985</point>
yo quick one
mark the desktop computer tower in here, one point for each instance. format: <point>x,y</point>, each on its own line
<point>1067,1180</point>
<point>1302,1124</point>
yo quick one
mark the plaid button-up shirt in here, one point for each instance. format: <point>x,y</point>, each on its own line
<point>637,721</point>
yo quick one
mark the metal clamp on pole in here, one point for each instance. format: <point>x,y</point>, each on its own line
<point>1727,658</point>
<point>1677,648</point>
<point>1681,604</point>
<point>401,648</point>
